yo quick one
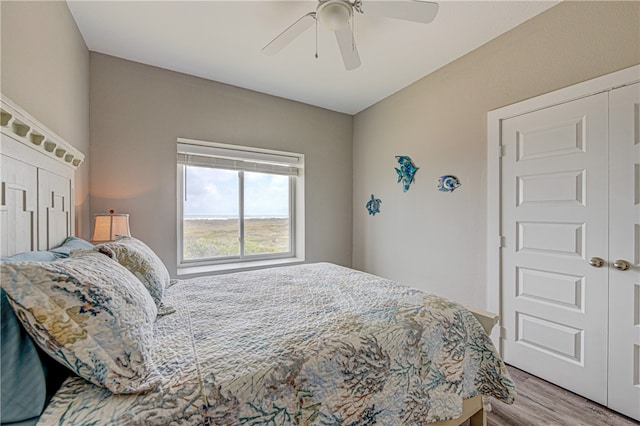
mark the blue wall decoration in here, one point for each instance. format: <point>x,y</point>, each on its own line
<point>406,171</point>
<point>448,183</point>
<point>374,205</point>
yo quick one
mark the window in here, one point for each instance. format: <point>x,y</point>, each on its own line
<point>238,205</point>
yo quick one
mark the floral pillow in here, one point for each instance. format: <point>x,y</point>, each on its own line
<point>138,258</point>
<point>90,314</point>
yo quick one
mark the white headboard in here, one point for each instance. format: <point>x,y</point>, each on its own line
<point>37,171</point>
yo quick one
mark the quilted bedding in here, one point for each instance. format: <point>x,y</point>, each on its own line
<point>312,345</point>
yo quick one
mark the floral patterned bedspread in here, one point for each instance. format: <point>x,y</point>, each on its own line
<point>313,344</point>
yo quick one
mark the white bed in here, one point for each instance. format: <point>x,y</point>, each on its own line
<point>311,344</point>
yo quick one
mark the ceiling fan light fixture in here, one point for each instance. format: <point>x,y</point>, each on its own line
<point>334,14</point>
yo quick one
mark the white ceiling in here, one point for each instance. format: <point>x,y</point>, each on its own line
<point>222,41</point>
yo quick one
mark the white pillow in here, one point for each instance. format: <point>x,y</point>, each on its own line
<point>90,314</point>
<point>138,258</point>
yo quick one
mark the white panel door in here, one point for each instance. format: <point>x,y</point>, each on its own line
<point>624,298</point>
<point>554,216</point>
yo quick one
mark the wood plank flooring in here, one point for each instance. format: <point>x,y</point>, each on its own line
<point>542,403</point>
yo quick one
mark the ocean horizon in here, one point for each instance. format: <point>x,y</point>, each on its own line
<point>223,217</point>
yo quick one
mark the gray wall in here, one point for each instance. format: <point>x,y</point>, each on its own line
<point>436,241</point>
<point>45,70</point>
<point>138,111</point>
<point>423,238</point>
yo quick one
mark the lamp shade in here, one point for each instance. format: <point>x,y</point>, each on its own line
<point>107,226</point>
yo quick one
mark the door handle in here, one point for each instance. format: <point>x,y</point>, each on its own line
<point>621,265</point>
<point>596,262</point>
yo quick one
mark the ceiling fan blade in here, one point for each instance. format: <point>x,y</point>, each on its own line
<point>288,35</point>
<point>408,10</point>
<point>347,44</point>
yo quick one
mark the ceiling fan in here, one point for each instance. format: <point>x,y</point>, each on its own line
<point>335,15</point>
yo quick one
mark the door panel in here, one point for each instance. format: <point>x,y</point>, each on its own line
<point>561,290</point>
<point>554,202</point>
<point>546,188</point>
<point>624,299</point>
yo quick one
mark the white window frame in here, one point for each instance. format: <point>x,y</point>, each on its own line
<point>243,159</point>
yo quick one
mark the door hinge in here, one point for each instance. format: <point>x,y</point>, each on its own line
<point>500,241</point>
<point>500,151</point>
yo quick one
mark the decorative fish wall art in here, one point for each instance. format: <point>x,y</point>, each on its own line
<point>406,171</point>
<point>448,183</point>
<point>374,205</point>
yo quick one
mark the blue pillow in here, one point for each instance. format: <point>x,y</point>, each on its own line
<point>71,243</point>
<point>31,256</point>
<point>28,377</point>
<point>23,388</point>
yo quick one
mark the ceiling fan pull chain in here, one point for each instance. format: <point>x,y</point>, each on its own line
<point>316,18</point>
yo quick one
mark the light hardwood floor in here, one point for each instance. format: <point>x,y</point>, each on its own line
<point>542,403</point>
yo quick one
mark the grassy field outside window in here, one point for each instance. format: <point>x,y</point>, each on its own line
<point>211,238</point>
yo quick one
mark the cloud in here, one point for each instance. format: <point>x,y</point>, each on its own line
<point>266,195</point>
<point>211,192</point>
<point>214,192</point>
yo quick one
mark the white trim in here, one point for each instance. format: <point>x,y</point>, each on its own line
<point>494,219</point>
<point>225,268</point>
<point>24,128</point>
<point>604,83</point>
<point>607,82</point>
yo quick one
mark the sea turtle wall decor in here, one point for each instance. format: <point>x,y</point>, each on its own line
<point>374,205</point>
<point>406,171</point>
<point>448,183</point>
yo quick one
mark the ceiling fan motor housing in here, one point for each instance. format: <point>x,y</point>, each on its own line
<point>334,14</point>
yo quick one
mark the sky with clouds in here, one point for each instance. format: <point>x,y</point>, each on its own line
<point>214,192</point>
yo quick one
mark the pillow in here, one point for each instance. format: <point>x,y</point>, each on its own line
<point>31,256</point>
<point>28,377</point>
<point>71,243</point>
<point>23,381</point>
<point>138,258</point>
<point>90,314</point>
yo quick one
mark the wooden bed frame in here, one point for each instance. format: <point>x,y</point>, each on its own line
<point>37,204</point>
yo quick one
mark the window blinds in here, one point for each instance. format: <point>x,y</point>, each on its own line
<point>227,158</point>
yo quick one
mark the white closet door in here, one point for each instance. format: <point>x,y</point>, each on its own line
<point>624,298</point>
<point>555,211</point>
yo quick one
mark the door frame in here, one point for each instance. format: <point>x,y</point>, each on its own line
<point>601,84</point>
